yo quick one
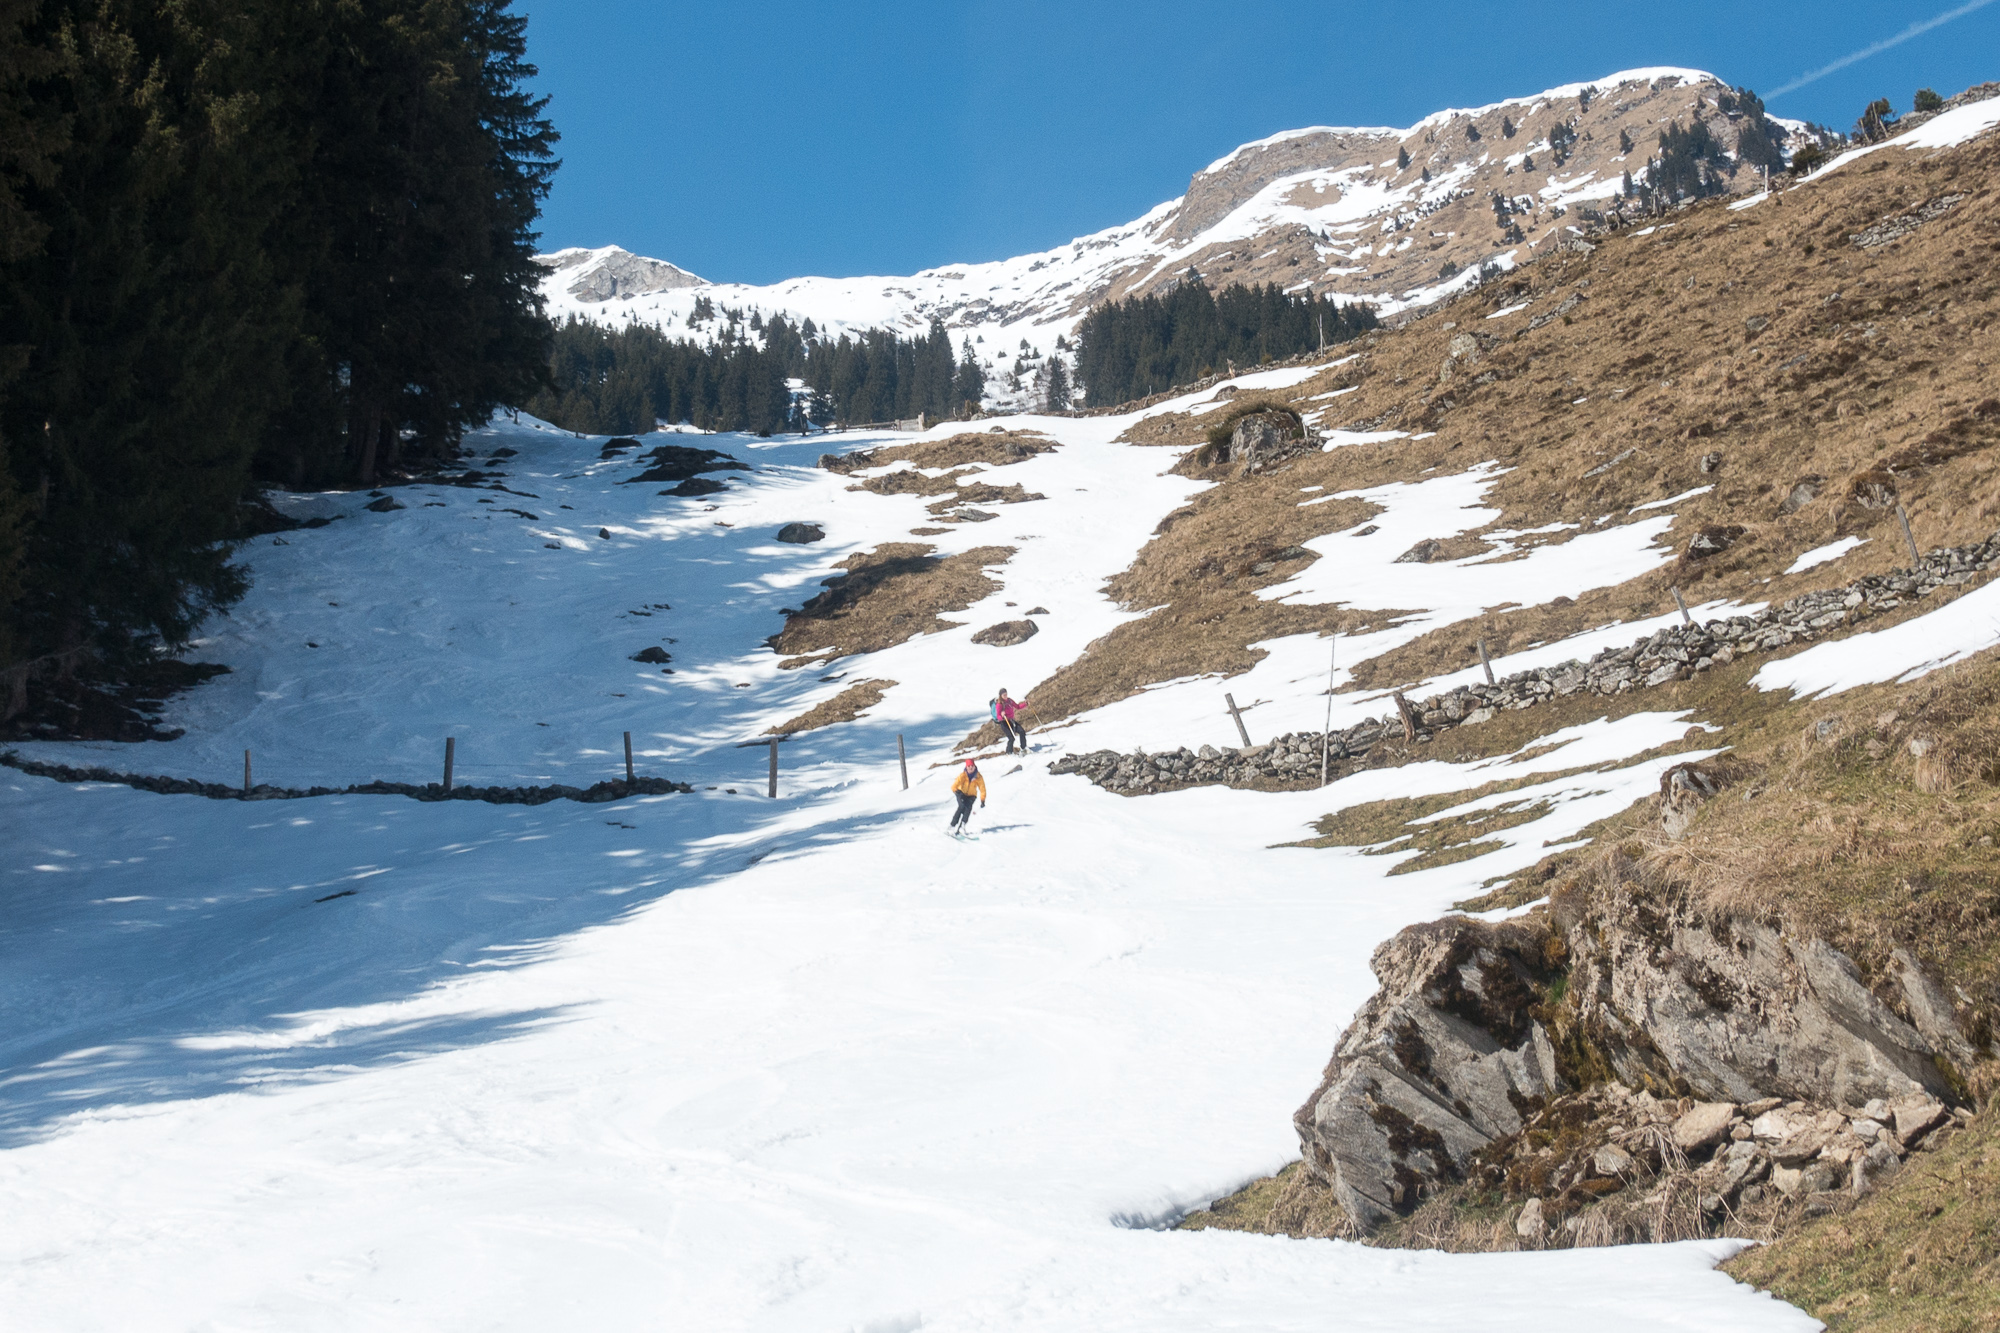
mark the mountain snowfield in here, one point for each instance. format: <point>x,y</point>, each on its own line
<point>716,1061</point>
<point>1326,209</point>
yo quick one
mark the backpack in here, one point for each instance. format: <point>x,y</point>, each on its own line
<point>993,707</point>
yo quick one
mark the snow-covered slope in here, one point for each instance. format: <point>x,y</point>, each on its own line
<point>711,1060</point>
<point>1328,209</point>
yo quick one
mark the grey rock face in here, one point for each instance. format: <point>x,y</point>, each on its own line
<point>1452,1054</point>
<point>1007,633</point>
<point>622,274</point>
<point>1439,1063</point>
<point>801,533</point>
<point>1422,553</point>
<point>1736,1014</point>
<point>1803,493</point>
<point>1265,438</point>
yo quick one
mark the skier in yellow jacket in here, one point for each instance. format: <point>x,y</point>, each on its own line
<point>968,784</point>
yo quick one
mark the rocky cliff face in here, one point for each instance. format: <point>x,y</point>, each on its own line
<point>593,277</point>
<point>1395,217</point>
<point>1480,1029</point>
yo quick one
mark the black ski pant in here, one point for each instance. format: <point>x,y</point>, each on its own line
<point>1015,732</point>
<point>964,815</point>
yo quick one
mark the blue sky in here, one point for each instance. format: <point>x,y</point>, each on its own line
<point>756,141</point>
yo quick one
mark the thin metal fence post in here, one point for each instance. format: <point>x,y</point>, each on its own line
<point>1326,734</point>
<point>902,761</point>
<point>246,772</point>
<point>774,768</point>
<point>1686,619</point>
<point>1485,662</point>
<point>630,776</point>
<point>1903,517</point>
<point>450,750</point>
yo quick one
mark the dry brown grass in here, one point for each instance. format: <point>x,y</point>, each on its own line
<point>1290,1203</point>
<point>997,448</point>
<point>888,595</point>
<point>1870,818</point>
<point>1890,377</point>
<point>849,704</point>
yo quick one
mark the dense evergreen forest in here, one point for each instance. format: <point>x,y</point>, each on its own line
<point>620,381</point>
<point>1149,344</point>
<point>241,242</point>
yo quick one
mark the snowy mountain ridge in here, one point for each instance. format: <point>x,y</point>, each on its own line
<point>1394,217</point>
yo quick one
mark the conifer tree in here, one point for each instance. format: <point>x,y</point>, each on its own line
<point>1058,386</point>
<point>152,320</point>
<point>969,386</point>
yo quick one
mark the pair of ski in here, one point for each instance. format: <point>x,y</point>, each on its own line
<point>956,836</point>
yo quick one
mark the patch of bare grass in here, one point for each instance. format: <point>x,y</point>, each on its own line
<point>887,596</point>
<point>1290,1203</point>
<point>997,448</point>
<point>849,704</point>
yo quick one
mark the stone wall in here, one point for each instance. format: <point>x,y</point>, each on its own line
<point>1674,653</point>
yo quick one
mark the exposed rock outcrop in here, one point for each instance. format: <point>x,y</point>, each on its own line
<point>1007,633</point>
<point>615,274</point>
<point>1621,1032</point>
<point>1446,1058</point>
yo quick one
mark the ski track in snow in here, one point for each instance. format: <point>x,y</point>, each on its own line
<point>713,1060</point>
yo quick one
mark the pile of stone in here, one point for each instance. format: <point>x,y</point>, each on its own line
<point>595,794</point>
<point>1728,1160</point>
<point>1674,653</point>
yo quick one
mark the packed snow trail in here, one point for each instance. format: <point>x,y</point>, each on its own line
<point>708,1060</point>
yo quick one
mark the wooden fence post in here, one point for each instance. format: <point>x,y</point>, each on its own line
<point>774,768</point>
<point>1686,619</point>
<point>1916,558</point>
<point>1241,730</point>
<point>450,746</point>
<point>1486,662</point>
<point>1409,718</point>
<point>246,772</point>
<point>902,761</point>
<point>630,777</point>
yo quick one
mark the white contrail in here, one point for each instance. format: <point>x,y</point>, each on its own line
<point>1914,30</point>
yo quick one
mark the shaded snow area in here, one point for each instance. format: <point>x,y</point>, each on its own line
<point>713,1061</point>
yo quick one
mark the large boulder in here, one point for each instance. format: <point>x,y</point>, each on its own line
<point>1446,1057</point>
<point>1265,438</point>
<point>801,533</point>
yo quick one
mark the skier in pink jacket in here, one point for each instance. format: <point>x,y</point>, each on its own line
<point>1007,712</point>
